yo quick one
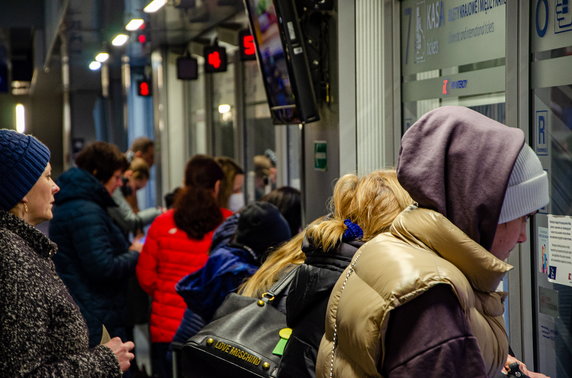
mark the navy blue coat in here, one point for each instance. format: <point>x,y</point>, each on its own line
<point>227,268</point>
<point>224,233</point>
<point>93,259</point>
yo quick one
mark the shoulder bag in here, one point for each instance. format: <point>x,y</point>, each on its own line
<point>246,338</point>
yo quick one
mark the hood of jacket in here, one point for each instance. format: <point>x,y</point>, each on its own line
<point>457,162</point>
<point>77,183</point>
<point>432,231</point>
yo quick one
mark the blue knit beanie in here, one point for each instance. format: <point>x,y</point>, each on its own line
<point>23,159</point>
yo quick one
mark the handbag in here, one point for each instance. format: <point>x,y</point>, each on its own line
<point>246,338</point>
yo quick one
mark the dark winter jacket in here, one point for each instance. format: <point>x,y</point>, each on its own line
<point>224,234</point>
<point>306,305</point>
<point>227,268</point>
<point>42,332</point>
<point>93,259</point>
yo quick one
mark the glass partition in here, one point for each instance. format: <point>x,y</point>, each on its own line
<point>260,153</point>
<point>224,110</point>
<point>196,113</point>
<point>446,49</point>
<point>551,127</point>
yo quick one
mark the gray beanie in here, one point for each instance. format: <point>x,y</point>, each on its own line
<point>23,159</point>
<point>527,187</point>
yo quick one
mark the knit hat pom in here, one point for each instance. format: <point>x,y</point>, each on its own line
<point>527,187</point>
<point>23,160</point>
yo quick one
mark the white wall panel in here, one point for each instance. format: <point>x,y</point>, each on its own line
<point>370,85</point>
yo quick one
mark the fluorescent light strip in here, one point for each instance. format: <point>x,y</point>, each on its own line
<point>154,6</point>
<point>102,57</point>
<point>120,40</point>
<point>94,66</point>
<point>20,118</point>
<point>134,24</point>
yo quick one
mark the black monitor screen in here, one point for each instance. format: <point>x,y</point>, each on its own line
<point>187,68</point>
<point>274,64</point>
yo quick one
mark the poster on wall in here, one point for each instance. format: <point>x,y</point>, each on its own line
<point>560,247</point>
<point>543,258</point>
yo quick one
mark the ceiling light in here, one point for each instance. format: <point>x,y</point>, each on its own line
<point>102,57</point>
<point>154,6</point>
<point>94,66</point>
<point>134,24</point>
<point>120,40</point>
<point>224,108</point>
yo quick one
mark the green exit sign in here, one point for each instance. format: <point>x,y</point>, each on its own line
<point>320,155</point>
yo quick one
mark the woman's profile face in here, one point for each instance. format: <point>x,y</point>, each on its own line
<point>40,199</point>
<point>508,235</point>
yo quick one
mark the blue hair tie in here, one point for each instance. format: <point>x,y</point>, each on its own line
<point>354,231</point>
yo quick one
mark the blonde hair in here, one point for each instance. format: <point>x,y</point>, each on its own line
<point>140,169</point>
<point>372,201</point>
<point>287,254</point>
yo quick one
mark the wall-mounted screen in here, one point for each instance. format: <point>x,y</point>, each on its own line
<point>187,68</point>
<point>282,60</point>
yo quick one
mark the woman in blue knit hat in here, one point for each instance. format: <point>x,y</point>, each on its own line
<point>42,332</point>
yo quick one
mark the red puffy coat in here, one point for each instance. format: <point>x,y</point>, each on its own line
<point>167,256</point>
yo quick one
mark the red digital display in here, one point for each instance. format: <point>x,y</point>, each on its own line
<point>144,88</point>
<point>215,59</point>
<point>247,46</point>
<point>142,38</point>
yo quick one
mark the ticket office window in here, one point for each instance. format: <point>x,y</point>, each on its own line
<point>551,129</point>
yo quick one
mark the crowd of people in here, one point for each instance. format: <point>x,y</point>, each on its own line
<point>398,278</point>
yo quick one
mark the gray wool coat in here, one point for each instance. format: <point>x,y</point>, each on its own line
<point>42,332</point>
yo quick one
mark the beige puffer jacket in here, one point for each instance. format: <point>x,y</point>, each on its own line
<point>398,266</point>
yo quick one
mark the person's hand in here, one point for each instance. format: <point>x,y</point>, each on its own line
<point>136,245</point>
<point>122,351</point>
<point>510,359</point>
